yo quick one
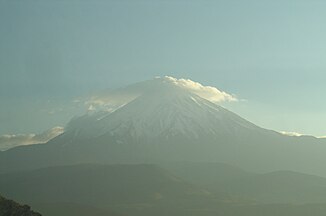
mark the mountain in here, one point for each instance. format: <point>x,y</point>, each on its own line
<point>136,189</point>
<point>208,174</point>
<point>11,208</point>
<point>278,187</point>
<point>164,121</point>
<point>71,209</point>
<point>110,183</point>
<point>164,111</point>
<point>269,188</point>
<point>140,190</point>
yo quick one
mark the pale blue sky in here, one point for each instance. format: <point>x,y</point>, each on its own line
<point>270,53</point>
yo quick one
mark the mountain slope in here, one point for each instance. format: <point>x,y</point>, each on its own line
<point>11,208</point>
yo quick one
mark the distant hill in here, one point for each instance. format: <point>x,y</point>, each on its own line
<point>146,190</point>
<point>279,187</point>
<point>206,173</point>
<point>11,208</point>
<point>71,209</point>
<point>273,187</point>
<point>122,188</point>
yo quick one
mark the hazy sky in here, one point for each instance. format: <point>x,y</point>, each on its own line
<point>272,54</point>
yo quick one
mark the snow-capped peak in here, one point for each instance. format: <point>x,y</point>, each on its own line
<point>162,107</point>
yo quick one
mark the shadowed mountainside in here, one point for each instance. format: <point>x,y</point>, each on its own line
<point>11,208</point>
<point>144,190</point>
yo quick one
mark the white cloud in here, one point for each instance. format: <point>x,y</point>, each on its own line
<point>287,133</point>
<point>112,99</point>
<point>208,92</point>
<point>8,141</point>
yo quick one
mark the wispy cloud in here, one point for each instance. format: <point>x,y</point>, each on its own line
<point>8,141</point>
<point>110,99</point>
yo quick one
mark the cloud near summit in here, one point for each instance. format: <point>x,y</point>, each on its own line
<point>111,99</point>
<point>208,92</point>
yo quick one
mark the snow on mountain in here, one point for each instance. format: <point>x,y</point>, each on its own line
<point>165,107</point>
